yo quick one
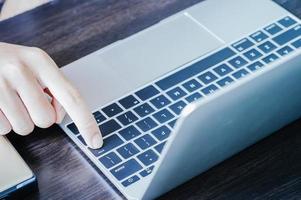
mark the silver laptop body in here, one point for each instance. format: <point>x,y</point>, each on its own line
<point>218,68</point>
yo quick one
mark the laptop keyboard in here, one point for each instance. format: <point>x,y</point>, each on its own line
<point>136,127</point>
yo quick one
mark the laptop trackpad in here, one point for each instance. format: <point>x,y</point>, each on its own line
<point>135,61</point>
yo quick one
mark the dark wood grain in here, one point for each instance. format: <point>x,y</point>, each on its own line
<point>70,29</point>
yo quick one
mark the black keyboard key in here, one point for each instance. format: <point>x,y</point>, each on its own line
<point>144,110</point>
<point>126,169</point>
<point>285,51</point>
<point>146,124</point>
<point>127,118</point>
<point>195,68</point>
<point>192,85</point>
<point>160,101</point>
<point>288,35</point>
<point>287,22</point>
<point>72,127</point>
<point>273,29</point>
<point>223,70</point>
<point>128,101</point>
<point>163,116</point>
<point>145,141</point>
<point>108,144</point>
<point>172,123</point>
<point>129,133</point>
<point>127,150</point>
<point>238,62</point>
<point>207,77</point>
<point>112,110</point>
<point>99,117</point>
<point>178,107</point>
<point>147,171</point>
<point>110,160</point>
<point>210,89</point>
<point>81,139</point>
<point>225,81</point>
<point>243,44</point>
<point>255,66</point>
<point>130,181</point>
<point>159,147</point>
<point>297,43</point>
<point>109,127</point>
<point>176,93</point>
<point>259,36</point>
<point>161,133</point>
<point>252,54</point>
<point>240,74</point>
<point>267,47</point>
<point>270,58</point>
<point>148,157</point>
<point>194,97</point>
<point>147,92</point>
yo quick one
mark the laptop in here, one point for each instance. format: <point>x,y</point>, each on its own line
<point>189,92</point>
<point>16,178</point>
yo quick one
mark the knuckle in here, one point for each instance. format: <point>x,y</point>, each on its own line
<point>20,69</point>
<point>73,96</point>
<point>9,65</point>
<point>35,51</point>
<point>14,69</point>
<point>89,126</point>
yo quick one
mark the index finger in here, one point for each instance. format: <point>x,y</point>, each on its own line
<point>69,97</point>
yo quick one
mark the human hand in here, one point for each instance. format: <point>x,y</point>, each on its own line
<point>27,76</point>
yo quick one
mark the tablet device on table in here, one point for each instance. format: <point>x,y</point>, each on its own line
<point>16,178</point>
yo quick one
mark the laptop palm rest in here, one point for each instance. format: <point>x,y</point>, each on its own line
<point>129,64</point>
<point>216,128</point>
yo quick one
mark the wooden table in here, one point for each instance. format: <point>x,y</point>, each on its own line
<point>70,29</point>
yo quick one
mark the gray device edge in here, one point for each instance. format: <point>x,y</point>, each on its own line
<point>21,188</point>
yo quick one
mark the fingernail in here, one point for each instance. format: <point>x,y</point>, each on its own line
<point>97,141</point>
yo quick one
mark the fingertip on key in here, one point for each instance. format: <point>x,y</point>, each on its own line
<point>97,141</point>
